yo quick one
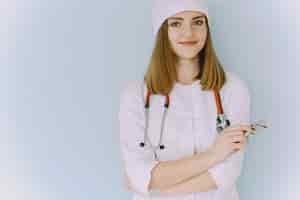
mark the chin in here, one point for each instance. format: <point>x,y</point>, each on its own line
<point>187,55</point>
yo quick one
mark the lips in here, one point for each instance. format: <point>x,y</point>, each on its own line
<point>188,42</point>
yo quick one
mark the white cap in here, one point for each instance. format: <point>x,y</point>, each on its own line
<point>162,9</point>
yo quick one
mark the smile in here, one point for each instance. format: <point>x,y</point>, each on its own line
<point>188,43</point>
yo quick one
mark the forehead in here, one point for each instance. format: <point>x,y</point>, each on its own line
<point>187,14</point>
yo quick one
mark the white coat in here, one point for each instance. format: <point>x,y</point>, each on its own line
<point>190,127</point>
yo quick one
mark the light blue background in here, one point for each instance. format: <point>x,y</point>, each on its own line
<point>63,64</point>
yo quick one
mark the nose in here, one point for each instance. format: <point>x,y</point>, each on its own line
<point>187,30</point>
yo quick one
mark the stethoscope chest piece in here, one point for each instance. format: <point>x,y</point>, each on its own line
<point>222,122</point>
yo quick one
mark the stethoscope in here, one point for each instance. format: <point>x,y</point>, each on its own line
<point>221,122</point>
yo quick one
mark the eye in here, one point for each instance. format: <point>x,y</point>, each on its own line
<point>199,22</point>
<point>173,24</point>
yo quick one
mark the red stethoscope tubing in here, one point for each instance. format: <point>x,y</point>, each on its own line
<point>167,101</point>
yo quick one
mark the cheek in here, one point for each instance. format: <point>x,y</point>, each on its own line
<point>202,35</point>
<point>173,36</point>
<point>202,38</point>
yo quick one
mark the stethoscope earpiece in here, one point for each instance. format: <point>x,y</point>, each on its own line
<point>142,144</point>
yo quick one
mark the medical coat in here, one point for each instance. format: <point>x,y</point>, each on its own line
<point>190,127</point>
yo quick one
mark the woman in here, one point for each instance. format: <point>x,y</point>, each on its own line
<point>193,160</point>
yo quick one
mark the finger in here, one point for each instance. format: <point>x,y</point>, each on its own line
<point>126,185</point>
<point>237,138</point>
<point>237,128</point>
<point>244,128</point>
<point>233,127</point>
<point>126,180</point>
<point>234,133</point>
<point>237,146</point>
<point>249,130</point>
<point>242,141</point>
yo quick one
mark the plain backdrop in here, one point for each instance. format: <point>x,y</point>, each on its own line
<point>63,64</point>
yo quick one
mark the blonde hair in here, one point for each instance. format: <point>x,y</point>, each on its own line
<point>161,73</point>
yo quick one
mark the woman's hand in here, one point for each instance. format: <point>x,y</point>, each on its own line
<point>127,184</point>
<point>230,140</point>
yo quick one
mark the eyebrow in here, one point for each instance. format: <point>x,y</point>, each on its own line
<point>179,18</point>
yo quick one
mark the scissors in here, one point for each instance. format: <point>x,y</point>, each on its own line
<point>255,125</point>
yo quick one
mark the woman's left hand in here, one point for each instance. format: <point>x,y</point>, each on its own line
<point>127,185</point>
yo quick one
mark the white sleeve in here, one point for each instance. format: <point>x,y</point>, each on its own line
<point>138,161</point>
<point>238,105</point>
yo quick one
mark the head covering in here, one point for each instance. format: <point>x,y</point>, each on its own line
<point>162,9</point>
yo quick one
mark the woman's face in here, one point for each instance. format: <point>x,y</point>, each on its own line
<point>187,26</point>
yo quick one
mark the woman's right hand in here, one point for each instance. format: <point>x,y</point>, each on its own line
<point>230,140</point>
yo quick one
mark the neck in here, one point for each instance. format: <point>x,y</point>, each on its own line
<point>187,69</point>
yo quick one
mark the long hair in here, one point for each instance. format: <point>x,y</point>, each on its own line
<point>161,73</point>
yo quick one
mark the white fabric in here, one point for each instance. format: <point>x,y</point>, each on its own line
<point>190,125</point>
<point>162,9</point>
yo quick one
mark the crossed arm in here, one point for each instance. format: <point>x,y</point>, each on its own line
<point>186,175</point>
<point>200,183</point>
